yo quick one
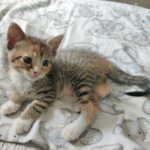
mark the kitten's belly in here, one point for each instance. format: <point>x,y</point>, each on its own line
<point>66,92</point>
<point>67,99</point>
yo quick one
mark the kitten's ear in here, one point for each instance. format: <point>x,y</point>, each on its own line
<point>54,43</point>
<point>14,35</point>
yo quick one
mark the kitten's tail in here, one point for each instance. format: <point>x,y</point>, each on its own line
<point>122,77</point>
<point>138,93</point>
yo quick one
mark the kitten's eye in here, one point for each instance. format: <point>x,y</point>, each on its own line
<point>27,60</point>
<point>45,63</point>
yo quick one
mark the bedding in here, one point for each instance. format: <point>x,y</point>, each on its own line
<point>119,32</point>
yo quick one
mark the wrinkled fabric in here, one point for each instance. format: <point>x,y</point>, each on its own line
<point>119,32</point>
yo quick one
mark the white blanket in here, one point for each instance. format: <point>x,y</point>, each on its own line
<point>119,32</point>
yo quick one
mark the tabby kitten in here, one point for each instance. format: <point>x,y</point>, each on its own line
<point>39,73</point>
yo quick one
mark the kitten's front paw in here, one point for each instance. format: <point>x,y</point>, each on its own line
<point>22,126</point>
<point>9,107</point>
<point>72,131</point>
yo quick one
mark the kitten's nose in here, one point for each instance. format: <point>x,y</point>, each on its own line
<point>35,70</point>
<point>35,74</point>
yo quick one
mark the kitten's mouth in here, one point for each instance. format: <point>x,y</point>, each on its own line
<point>34,75</point>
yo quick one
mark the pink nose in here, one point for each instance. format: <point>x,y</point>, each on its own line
<point>35,74</point>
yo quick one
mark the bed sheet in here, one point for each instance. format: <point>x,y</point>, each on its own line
<point>119,32</point>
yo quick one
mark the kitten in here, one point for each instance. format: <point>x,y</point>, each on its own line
<point>39,73</point>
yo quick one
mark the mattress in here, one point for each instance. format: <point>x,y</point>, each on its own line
<point>119,32</point>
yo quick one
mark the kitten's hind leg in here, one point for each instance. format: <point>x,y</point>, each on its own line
<point>73,130</point>
<point>12,105</point>
<point>87,99</point>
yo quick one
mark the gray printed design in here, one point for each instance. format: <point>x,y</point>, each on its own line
<point>110,103</point>
<point>134,19</point>
<point>40,32</point>
<point>52,137</point>
<point>91,136</point>
<point>126,57</point>
<point>3,95</point>
<point>12,136</point>
<point>54,19</point>
<point>104,22</point>
<point>131,129</point>
<point>119,12</point>
<point>37,29</point>
<point>138,38</point>
<point>83,10</point>
<point>5,89</point>
<point>51,131</point>
<point>4,130</point>
<point>1,35</point>
<point>105,28</point>
<point>145,125</point>
<point>116,91</point>
<point>69,116</point>
<point>3,11</point>
<point>27,12</point>
<point>23,15</point>
<point>4,84</point>
<point>60,17</point>
<point>85,45</point>
<point>138,20</point>
<point>109,106</point>
<point>3,27</point>
<point>143,21</point>
<point>109,147</point>
<point>146,107</point>
<point>137,130</point>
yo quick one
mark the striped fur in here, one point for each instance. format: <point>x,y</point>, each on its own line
<point>85,73</point>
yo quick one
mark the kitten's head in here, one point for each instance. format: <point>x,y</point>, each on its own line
<point>30,56</point>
